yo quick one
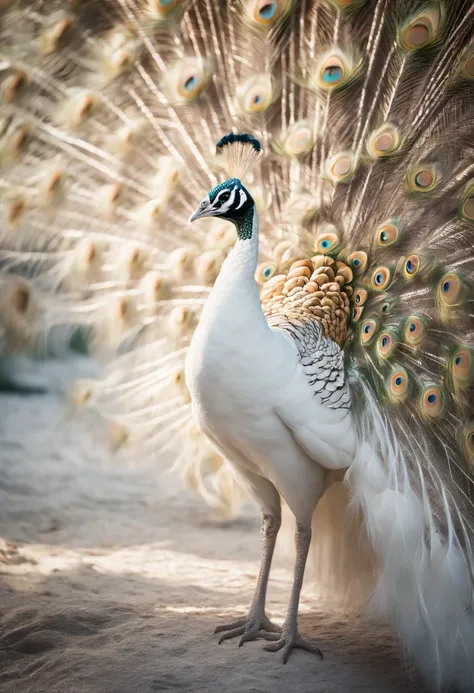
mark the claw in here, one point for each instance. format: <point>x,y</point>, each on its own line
<point>231,626</point>
<point>290,641</point>
<point>231,634</point>
<point>249,628</point>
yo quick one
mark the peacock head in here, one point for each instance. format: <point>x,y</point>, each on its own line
<point>229,200</point>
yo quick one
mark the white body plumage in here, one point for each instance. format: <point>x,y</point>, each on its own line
<point>251,395</point>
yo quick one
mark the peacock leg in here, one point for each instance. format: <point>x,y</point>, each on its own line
<point>257,624</point>
<point>290,637</point>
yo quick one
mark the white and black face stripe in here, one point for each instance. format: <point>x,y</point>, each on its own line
<point>225,200</point>
<point>243,198</point>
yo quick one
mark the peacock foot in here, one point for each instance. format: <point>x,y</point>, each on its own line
<point>288,640</point>
<point>250,628</point>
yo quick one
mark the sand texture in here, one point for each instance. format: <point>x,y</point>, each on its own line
<point>112,579</point>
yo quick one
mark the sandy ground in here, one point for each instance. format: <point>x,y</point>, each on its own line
<point>112,581</point>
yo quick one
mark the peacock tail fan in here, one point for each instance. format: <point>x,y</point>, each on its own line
<point>109,117</point>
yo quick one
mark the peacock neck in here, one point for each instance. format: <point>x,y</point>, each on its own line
<point>235,297</point>
<point>244,255</point>
<point>247,226</point>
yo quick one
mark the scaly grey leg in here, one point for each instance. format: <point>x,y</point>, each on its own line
<point>290,637</point>
<point>257,624</point>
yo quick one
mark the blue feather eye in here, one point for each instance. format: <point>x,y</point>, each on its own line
<point>381,278</point>
<point>190,83</point>
<point>386,344</point>
<point>264,272</point>
<point>162,7</point>
<point>450,290</point>
<point>266,14</point>
<point>268,11</point>
<point>414,330</point>
<point>332,74</point>
<point>368,330</point>
<point>432,402</point>
<point>360,297</point>
<point>388,233</point>
<point>397,384</point>
<point>411,267</point>
<point>358,260</point>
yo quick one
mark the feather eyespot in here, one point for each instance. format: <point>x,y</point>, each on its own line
<point>299,140</point>
<point>422,179</point>
<point>381,278</point>
<point>332,73</point>
<point>462,366</point>
<point>335,69</point>
<point>468,66</point>
<point>398,384</point>
<point>387,305</point>
<point>422,29</point>
<point>367,331</point>
<point>264,272</point>
<point>188,78</point>
<point>356,313</point>
<point>265,13</point>
<point>358,260</point>
<point>414,330</point>
<point>466,207</point>
<point>327,243</point>
<point>189,85</point>
<point>411,266</point>
<point>387,234</point>
<point>162,8</point>
<point>468,441</point>
<point>257,93</point>
<point>450,290</point>
<point>384,142</point>
<point>340,167</point>
<point>432,402</point>
<point>360,297</point>
<point>386,345</point>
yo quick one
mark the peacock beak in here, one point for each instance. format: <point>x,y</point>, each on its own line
<point>204,210</point>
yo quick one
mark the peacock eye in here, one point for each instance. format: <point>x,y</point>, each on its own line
<point>190,83</point>
<point>411,267</point>
<point>268,10</point>
<point>266,13</point>
<point>332,73</point>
